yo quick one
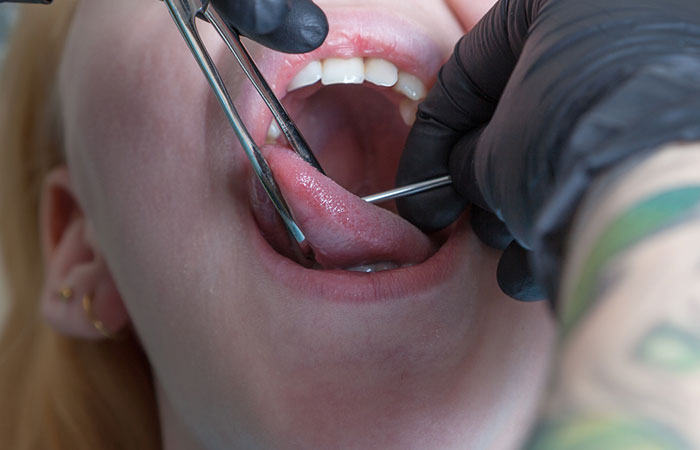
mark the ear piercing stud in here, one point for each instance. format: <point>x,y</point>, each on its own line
<point>66,293</point>
<point>97,323</point>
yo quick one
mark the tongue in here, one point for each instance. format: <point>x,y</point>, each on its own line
<point>344,230</point>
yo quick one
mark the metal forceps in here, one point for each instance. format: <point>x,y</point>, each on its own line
<point>184,13</point>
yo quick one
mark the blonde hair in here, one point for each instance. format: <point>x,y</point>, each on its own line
<point>55,392</point>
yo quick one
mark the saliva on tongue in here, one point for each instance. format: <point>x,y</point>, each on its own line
<point>344,231</point>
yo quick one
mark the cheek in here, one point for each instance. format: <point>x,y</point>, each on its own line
<point>157,179</point>
<point>469,12</point>
<point>143,137</point>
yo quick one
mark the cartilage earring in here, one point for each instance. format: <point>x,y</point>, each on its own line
<point>66,293</point>
<point>98,324</point>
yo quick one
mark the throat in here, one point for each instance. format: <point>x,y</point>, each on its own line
<point>355,131</point>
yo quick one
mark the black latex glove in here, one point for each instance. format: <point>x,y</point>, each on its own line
<point>290,26</point>
<point>537,99</point>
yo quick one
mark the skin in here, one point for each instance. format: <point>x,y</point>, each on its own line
<point>151,218</point>
<point>629,354</point>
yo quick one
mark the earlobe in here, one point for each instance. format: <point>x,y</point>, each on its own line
<point>79,297</point>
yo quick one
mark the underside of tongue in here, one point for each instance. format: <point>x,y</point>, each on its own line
<point>344,230</point>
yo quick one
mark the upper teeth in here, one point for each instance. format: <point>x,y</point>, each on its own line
<point>343,71</point>
<point>381,72</point>
<point>273,132</point>
<point>356,71</point>
<point>307,76</point>
<point>411,86</point>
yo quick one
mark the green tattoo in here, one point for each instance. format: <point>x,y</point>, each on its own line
<point>655,214</point>
<point>671,348</point>
<point>596,433</point>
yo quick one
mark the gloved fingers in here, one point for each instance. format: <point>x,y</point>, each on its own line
<point>486,225</point>
<point>289,26</point>
<point>433,210</point>
<point>515,276</point>
<point>462,168</point>
<point>436,209</point>
<point>427,153</point>
<point>253,16</point>
<point>463,99</point>
<point>490,229</point>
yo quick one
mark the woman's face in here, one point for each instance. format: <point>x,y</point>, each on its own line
<point>249,348</point>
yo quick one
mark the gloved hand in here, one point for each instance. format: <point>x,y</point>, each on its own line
<point>44,2</point>
<point>290,26</point>
<point>540,97</point>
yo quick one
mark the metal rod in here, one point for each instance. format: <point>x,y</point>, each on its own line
<point>410,189</point>
<point>287,126</point>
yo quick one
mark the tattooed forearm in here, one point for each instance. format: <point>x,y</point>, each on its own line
<point>628,373</point>
<point>637,226</point>
<point>670,347</point>
<point>581,432</point>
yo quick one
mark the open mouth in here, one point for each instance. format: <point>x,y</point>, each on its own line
<point>355,103</point>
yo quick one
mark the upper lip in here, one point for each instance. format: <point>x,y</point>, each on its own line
<point>352,34</point>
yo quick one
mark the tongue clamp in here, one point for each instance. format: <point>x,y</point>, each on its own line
<point>302,252</point>
<point>185,13</point>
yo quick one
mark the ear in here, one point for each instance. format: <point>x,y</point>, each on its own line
<point>469,13</point>
<point>73,260</point>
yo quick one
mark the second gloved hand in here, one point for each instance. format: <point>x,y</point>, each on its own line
<point>540,97</point>
<point>290,26</point>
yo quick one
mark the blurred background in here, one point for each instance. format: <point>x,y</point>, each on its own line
<point>7,15</point>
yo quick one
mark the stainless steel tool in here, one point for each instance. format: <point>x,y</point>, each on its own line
<point>185,13</point>
<point>409,189</point>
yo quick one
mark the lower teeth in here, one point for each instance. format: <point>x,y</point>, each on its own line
<point>377,267</point>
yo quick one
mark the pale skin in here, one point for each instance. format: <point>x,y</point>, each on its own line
<point>151,217</point>
<point>146,218</point>
<point>628,370</point>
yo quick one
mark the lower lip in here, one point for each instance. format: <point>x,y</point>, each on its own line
<point>356,287</point>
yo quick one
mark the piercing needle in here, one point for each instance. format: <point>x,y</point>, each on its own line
<point>409,189</point>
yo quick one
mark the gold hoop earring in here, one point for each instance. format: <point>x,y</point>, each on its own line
<point>66,293</point>
<point>97,323</point>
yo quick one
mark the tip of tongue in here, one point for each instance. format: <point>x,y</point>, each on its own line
<point>344,230</point>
